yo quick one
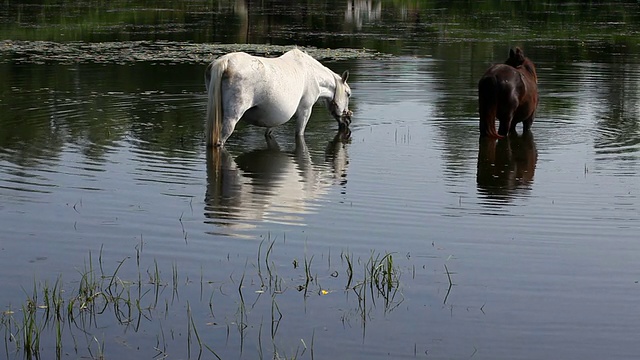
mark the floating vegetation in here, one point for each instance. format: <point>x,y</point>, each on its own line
<point>102,309</point>
<point>127,52</point>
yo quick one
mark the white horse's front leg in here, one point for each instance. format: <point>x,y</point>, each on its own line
<point>302,118</point>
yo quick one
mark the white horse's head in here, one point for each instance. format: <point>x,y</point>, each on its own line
<point>339,104</point>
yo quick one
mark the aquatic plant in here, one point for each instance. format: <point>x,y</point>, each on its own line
<point>52,314</point>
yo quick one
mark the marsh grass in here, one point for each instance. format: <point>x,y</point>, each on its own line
<point>101,300</point>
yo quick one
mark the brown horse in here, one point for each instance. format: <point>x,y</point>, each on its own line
<point>508,92</point>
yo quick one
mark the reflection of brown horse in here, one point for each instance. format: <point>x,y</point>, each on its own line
<point>508,92</point>
<point>506,165</point>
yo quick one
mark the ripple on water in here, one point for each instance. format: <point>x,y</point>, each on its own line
<point>150,166</point>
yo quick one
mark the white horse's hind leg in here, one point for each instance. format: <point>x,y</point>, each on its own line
<point>234,108</point>
<point>228,125</point>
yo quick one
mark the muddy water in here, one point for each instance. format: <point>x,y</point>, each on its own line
<point>102,153</point>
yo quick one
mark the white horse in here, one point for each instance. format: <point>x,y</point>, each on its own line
<point>267,92</point>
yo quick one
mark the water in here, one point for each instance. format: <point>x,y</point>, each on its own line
<point>102,158</point>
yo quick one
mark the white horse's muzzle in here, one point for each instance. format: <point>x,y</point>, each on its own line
<point>344,117</point>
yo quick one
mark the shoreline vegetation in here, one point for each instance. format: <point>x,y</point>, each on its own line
<point>603,26</point>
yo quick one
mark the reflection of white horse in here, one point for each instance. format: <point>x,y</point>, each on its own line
<point>267,92</point>
<point>269,184</point>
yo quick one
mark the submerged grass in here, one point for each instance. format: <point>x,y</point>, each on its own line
<point>101,301</point>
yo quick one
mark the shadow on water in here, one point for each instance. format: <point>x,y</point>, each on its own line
<point>269,184</point>
<point>506,167</point>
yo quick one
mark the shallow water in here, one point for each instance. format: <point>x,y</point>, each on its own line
<point>104,155</point>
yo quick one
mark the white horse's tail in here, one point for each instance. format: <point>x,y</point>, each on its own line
<point>213,82</point>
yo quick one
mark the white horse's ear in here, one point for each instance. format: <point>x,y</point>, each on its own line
<point>345,75</point>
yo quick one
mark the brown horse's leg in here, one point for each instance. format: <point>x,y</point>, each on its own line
<point>512,129</point>
<point>508,107</point>
<point>506,123</point>
<point>526,124</point>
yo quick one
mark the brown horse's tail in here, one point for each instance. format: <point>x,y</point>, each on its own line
<point>488,106</point>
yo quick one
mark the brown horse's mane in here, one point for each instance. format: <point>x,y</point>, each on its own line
<point>519,61</point>
<point>516,57</point>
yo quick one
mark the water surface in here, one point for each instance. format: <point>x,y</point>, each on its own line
<point>102,154</point>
